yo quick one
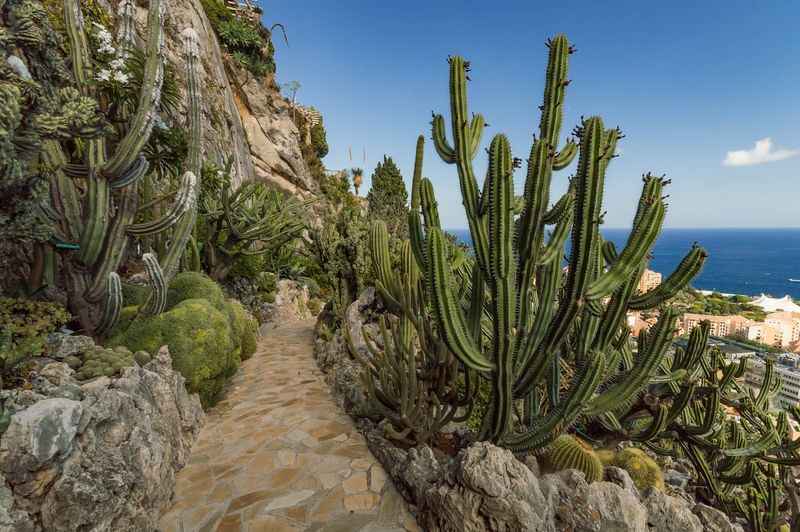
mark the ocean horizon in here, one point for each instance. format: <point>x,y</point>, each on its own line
<point>747,261</point>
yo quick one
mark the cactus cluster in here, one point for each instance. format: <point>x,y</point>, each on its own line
<point>512,315</point>
<point>254,219</point>
<point>94,190</point>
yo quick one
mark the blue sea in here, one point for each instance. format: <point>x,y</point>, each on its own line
<point>741,261</point>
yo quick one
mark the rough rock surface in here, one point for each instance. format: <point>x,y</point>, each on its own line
<point>101,456</point>
<point>486,488</point>
<point>291,303</point>
<point>333,356</point>
<point>243,118</point>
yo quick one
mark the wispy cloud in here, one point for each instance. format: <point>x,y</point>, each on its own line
<point>762,152</point>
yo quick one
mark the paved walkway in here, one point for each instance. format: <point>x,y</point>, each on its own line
<point>279,455</point>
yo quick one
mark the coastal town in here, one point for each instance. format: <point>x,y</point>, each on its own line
<point>769,328</point>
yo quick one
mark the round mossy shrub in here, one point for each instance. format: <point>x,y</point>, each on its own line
<point>199,337</point>
<point>244,327</point>
<point>142,357</point>
<point>571,452</point>
<point>644,471</point>
<point>194,285</point>
<point>134,294</point>
<point>103,362</point>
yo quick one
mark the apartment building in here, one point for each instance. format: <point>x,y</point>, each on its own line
<point>649,281</point>
<point>789,392</point>
<point>719,325</point>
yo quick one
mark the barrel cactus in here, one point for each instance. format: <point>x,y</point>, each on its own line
<point>571,452</point>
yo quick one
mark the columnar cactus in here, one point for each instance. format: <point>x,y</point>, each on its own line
<point>94,227</point>
<point>515,316</point>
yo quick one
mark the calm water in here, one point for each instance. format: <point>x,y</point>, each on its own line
<point>741,261</point>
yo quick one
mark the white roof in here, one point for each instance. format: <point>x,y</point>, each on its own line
<point>774,304</point>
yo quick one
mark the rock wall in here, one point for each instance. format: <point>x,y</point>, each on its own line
<point>98,456</point>
<point>243,118</point>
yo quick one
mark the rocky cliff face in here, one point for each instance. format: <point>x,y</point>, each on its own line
<point>243,117</point>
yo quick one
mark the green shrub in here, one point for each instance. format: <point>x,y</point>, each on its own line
<point>194,285</point>
<point>244,327</point>
<point>249,266</point>
<point>200,340</point>
<point>239,35</point>
<point>24,326</point>
<point>134,294</point>
<point>99,362</point>
<point>319,139</point>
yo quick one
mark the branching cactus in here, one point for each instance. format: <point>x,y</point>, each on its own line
<point>742,455</point>
<point>94,199</point>
<point>518,316</point>
<point>411,377</point>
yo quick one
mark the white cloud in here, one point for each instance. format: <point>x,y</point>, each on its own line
<point>762,152</point>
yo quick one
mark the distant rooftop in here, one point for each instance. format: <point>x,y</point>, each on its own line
<point>773,304</point>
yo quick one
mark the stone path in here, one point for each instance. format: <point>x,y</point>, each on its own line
<point>278,454</point>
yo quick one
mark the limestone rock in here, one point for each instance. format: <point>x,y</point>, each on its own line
<point>60,346</point>
<point>666,513</point>
<point>106,462</point>
<point>713,520</point>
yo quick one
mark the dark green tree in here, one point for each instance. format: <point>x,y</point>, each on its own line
<point>388,198</point>
<point>319,139</point>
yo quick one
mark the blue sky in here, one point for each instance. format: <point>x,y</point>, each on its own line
<point>687,83</point>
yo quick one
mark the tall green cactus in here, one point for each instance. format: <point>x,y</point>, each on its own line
<point>94,226</point>
<point>523,315</point>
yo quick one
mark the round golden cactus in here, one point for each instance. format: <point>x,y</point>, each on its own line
<point>643,470</point>
<point>571,452</point>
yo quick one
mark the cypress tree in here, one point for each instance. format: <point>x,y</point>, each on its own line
<point>388,198</point>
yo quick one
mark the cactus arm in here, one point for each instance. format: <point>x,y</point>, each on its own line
<point>443,148</point>
<point>64,196</point>
<point>430,208</point>
<point>640,242</point>
<point>638,376</point>
<point>502,277</point>
<point>135,171</point>
<point>756,448</point>
<point>448,311</point>
<point>615,313</point>
<point>157,300</point>
<point>117,240</point>
<point>98,199</point>
<point>588,201</point>
<point>184,201</point>
<point>656,426</point>
<point>565,156</point>
<point>554,249</point>
<point>569,408</point>
<point>561,208</point>
<point>417,175</point>
<point>142,123</point>
<point>126,31</point>
<point>112,306</point>
<point>78,45</point>
<point>687,270</point>
<point>475,133</point>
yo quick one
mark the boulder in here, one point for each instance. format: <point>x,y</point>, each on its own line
<point>106,462</point>
<point>60,345</point>
<point>713,520</point>
<point>666,513</point>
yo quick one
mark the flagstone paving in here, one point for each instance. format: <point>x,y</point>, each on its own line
<point>279,455</point>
